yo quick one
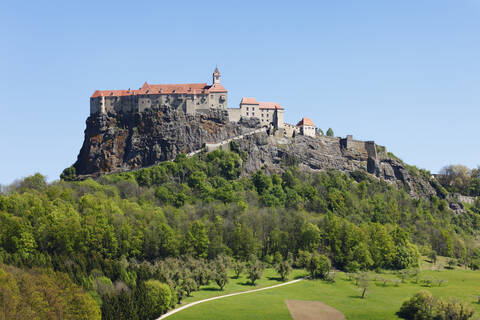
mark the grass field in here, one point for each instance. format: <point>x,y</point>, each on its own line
<point>381,302</point>
<point>270,278</point>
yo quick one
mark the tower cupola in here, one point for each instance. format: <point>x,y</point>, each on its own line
<point>216,76</point>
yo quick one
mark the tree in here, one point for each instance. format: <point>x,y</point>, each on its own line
<point>432,255</point>
<point>189,285</point>
<point>420,306</point>
<point>255,270</point>
<point>284,268</point>
<point>319,266</point>
<point>424,306</point>
<point>453,309</point>
<point>456,178</point>
<point>197,240</point>
<point>158,297</point>
<point>238,268</point>
<point>36,182</point>
<point>330,132</point>
<point>363,282</point>
<point>310,237</point>
<point>69,174</point>
<point>221,276</point>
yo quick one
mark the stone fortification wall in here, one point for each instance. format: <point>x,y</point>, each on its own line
<point>188,103</point>
<point>234,114</point>
<point>225,144</point>
<point>359,149</point>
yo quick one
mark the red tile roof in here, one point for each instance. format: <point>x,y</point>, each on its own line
<point>217,87</point>
<point>270,105</point>
<point>305,122</point>
<point>114,93</point>
<point>261,105</point>
<point>146,89</point>
<point>188,88</point>
<point>247,100</point>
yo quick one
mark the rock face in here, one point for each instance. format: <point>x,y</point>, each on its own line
<point>121,142</point>
<point>324,153</point>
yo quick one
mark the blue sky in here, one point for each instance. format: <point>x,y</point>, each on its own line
<point>403,73</point>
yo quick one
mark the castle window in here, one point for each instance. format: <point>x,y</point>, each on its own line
<point>247,108</point>
<point>247,114</point>
<point>253,114</point>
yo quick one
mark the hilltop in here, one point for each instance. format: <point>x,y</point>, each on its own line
<point>117,142</point>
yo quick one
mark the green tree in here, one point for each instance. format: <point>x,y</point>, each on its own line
<point>363,283</point>
<point>238,268</point>
<point>196,240</point>
<point>69,174</point>
<point>255,270</point>
<point>319,266</point>
<point>221,276</point>
<point>432,255</point>
<point>158,297</point>
<point>284,268</point>
<point>330,132</point>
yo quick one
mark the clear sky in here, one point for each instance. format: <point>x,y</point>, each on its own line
<point>403,73</point>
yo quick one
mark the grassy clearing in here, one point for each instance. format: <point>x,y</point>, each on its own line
<point>381,302</point>
<point>270,278</point>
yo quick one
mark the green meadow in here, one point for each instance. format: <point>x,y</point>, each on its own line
<point>381,302</point>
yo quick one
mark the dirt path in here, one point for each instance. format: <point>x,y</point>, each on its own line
<point>312,310</point>
<point>229,295</point>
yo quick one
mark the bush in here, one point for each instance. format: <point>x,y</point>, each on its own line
<point>159,296</point>
<point>423,306</point>
<point>319,266</point>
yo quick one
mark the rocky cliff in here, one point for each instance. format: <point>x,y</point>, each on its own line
<point>120,142</point>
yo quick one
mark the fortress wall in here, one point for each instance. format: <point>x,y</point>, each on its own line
<point>290,129</point>
<point>371,148</point>
<point>95,105</point>
<point>279,119</point>
<point>234,114</point>
<point>225,144</point>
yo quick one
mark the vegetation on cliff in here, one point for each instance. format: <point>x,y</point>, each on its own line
<point>193,215</point>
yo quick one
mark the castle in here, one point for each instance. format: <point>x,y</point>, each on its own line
<point>196,98</point>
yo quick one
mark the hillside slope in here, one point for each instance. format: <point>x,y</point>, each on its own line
<point>123,142</point>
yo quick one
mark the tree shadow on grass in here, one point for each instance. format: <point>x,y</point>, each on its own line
<point>210,289</point>
<point>275,278</point>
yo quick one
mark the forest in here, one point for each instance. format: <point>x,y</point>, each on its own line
<point>132,245</point>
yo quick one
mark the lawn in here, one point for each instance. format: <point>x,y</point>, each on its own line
<point>381,302</point>
<point>270,278</point>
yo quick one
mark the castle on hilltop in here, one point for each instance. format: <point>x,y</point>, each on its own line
<point>196,98</point>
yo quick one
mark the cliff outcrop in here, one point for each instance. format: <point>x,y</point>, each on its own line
<point>122,142</point>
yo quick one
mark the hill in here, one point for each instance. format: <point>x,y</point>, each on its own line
<point>116,142</point>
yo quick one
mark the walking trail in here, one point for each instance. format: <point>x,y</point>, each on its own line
<point>225,296</point>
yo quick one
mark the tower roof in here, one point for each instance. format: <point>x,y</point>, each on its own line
<point>305,122</point>
<point>216,71</point>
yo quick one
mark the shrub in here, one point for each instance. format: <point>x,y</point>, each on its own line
<point>319,266</point>
<point>159,296</point>
<point>423,306</point>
